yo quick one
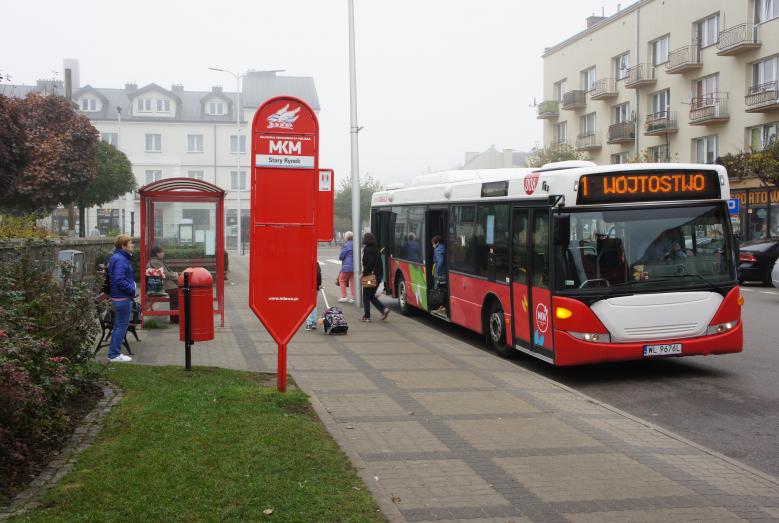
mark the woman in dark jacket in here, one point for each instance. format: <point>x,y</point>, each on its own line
<point>371,264</point>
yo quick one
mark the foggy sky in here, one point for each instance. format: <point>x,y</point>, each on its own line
<point>435,78</point>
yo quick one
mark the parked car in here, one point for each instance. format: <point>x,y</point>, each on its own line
<point>756,260</point>
<point>775,274</point>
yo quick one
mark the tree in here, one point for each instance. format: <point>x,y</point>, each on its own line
<point>552,153</point>
<point>763,164</point>
<point>114,178</point>
<point>343,201</point>
<point>62,160</point>
<point>13,149</point>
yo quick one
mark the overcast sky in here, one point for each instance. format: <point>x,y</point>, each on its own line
<point>435,78</point>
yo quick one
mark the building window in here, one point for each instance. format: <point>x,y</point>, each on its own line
<point>705,149</point>
<point>194,143</point>
<point>622,112</point>
<point>660,101</point>
<point>706,88</point>
<point>153,143</point>
<point>112,138</point>
<point>197,175</point>
<point>708,30</point>
<point>766,10</point>
<point>588,79</point>
<point>659,49</point>
<point>153,175</point>
<point>559,89</point>
<point>587,124</point>
<point>163,105</point>
<point>561,133</point>
<point>621,66</point>
<point>234,181</point>
<point>234,141</point>
<point>89,105</point>
<point>761,136</point>
<point>658,153</point>
<point>620,158</point>
<point>144,105</point>
<point>216,108</point>
<point>765,74</point>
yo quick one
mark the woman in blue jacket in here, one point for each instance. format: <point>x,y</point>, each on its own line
<point>346,276</point>
<point>122,284</point>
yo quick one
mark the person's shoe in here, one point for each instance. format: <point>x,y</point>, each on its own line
<point>343,300</point>
<point>351,300</point>
<point>120,359</point>
<point>310,327</point>
<point>441,310</point>
<point>384,314</point>
<point>366,320</point>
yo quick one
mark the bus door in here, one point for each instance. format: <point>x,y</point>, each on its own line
<point>383,226</point>
<point>530,288</point>
<point>436,220</point>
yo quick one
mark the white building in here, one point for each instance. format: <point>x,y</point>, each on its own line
<point>492,158</point>
<point>169,133</point>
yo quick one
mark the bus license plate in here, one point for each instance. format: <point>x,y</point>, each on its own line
<point>662,350</point>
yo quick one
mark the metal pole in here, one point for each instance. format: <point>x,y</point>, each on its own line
<point>238,153</point>
<point>354,129</point>
<point>187,324</point>
<point>281,372</point>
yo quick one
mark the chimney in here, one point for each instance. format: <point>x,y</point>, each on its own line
<point>177,88</point>
<point>594,20</point>
<point>131,87</point>
<point>216,89</point>
<point>72,64</point>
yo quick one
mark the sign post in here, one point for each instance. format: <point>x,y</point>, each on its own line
<point>284,200</point>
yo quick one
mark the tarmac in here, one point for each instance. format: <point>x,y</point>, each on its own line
<point>441,431</point>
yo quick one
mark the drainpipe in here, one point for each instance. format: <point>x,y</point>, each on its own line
<point>638,96</point>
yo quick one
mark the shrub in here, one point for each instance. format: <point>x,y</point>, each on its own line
<point>12,227</point>
<point>46,330</point>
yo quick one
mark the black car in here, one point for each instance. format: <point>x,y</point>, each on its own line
<point>756,260</point>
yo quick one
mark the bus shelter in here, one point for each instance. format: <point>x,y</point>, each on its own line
<point>185,217</point>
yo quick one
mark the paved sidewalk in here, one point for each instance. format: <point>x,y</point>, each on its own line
<point>441,431</point>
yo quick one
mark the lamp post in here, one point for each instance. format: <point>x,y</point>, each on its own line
<point>237,149</point>
<point>353,130</point>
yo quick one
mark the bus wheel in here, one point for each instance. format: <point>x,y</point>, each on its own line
<point>405,308</point>
<point>496,330</point>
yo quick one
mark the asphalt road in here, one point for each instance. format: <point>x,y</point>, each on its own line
<point>727,403</point>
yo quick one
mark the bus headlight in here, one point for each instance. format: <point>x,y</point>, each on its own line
<point>592,337</point>
<point>721,327</point>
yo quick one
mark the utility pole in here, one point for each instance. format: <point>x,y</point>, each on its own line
<point>71,206</point>
<point>354,129</point>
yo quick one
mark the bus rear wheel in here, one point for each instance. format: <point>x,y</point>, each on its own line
<point>405,308</point>
<point>496,330</point>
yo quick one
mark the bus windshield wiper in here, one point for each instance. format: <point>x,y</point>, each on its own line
<point>711,284</point>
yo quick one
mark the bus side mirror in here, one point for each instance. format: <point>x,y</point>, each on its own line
<point>562,229</point>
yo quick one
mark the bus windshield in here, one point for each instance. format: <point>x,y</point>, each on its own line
<point>648,248</point>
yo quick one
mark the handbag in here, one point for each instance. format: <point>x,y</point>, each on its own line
<point>368,281</point>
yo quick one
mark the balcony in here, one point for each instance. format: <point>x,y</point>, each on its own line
<point>623,132</point>
<point>663,122</point>
<point>684,59</point>
<point>574,100</point>
<point>587,141</point>
<point>737,39</point>
<point>640,75</point>
<point>763,98</point>
<point>548,109</point>
<point>709,109</point>
<point>603,89</point>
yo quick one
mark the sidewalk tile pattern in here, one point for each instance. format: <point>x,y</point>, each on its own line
<point>446,432</point>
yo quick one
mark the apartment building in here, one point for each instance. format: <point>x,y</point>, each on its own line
<point>169,133</point>
<point>675,80</point>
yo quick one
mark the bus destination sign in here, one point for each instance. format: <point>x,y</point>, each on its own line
<point>646,186</point>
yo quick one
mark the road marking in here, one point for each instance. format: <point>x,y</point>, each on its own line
<point>320,263</point>
<point>334,261</point>
<point>768,292</point>
<point>746,290</point>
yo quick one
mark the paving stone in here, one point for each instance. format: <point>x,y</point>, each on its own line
<point>333,381</point>
<point>577,477</point>
<point>391,436</point>
<point>356,405</point>
<point>700,514</point>
<point>472,402</point>
<point>384,347</point>
<point>408,361</point>
<point>433,379</point>
<point>722,475</point>
<point>543,433</point>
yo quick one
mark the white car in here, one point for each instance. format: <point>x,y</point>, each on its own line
<point>775,274</point>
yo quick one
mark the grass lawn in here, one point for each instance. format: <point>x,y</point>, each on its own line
<point>210,445</point>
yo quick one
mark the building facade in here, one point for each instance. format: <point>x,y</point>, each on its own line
<point>672,80</point>
<point>169,133</point>
<point>494,159</point>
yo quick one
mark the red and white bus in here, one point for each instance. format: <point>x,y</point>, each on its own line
<point>572,263</point>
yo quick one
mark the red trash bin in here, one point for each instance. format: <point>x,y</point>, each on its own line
<point>201,304</point>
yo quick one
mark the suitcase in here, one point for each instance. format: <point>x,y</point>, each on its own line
<point>334,321</point>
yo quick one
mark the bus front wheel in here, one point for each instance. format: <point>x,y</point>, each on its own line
<point>496,330</point>
<point>405,308</point>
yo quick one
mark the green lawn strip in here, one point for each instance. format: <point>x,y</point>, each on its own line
<point>210,445</point>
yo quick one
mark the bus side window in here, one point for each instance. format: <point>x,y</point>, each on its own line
<point>519,242</point>
<point>540,250</point>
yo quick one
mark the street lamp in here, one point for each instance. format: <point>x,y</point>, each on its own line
<point>237,146</point>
